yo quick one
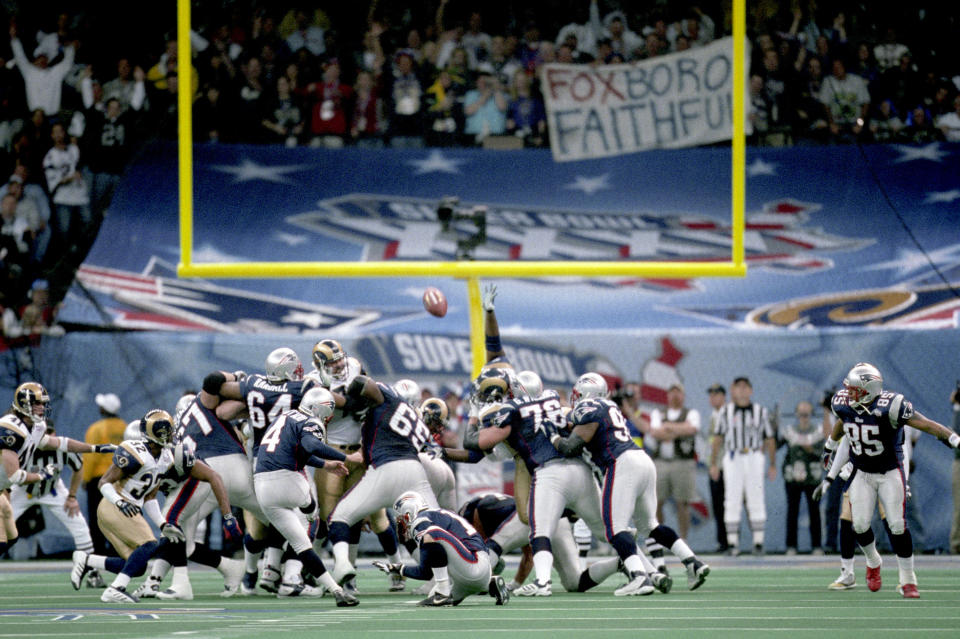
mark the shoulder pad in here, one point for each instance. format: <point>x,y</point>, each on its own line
<point>128,457</point>
<point>494,415</point>
<point>584,411</point>
<point>316,429</point>
<point>11,436</point>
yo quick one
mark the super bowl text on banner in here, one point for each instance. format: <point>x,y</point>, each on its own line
<point>672,101</point>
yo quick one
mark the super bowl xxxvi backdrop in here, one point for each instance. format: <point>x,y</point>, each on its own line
<point>853,256</point>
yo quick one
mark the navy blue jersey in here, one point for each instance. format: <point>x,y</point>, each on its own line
<point>531,422</point>
<point>290,441</point>
<point>268,399</point>
<point>612,437</point>
<point>392,431</point>
<point>876,433</point>
<point>208,435</point>
<point>444,524</point>
<point>491,511</point>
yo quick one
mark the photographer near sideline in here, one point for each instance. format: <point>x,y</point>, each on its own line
<point>955,480</point>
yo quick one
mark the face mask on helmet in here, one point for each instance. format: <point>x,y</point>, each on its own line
<point>318,402</point>
<point>589,385</point>
<point>492,385</point>
<point>157,427</point>
<point>284,363</point>
<point>31,400</point>
<point>330,361</point>
<point>864,383</point>
<point>407,506</point>
<point>409,391</point>
<point>434,413</point>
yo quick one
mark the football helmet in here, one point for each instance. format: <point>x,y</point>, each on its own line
<point>530,384</point>
<point>407,507</point>
<point>863,383</point>
<point>330,361</point>
<point>492,385</point>
<point>588,386</point>
<point>318,402</point>
<point>157,427</point>
<point>284,363</point>
<point>31,400</point>
<point>182,405</point>
<point>183,459</point>
<point>434,413</point>
<point>409,391</point>
<point>132,431</point>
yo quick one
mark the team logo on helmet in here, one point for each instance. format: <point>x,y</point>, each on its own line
<point>588,386</point>
<point>492,385</point>
<point>157,427</point>
<point>284,363</point>
<point>318,402</point>
<point>409,391</point>
<point>407,507</point>
<point>864,383</point>
<point>434,413</point>
<point>31,398</point>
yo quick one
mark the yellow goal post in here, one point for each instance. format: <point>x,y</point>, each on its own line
<point>468,270</point>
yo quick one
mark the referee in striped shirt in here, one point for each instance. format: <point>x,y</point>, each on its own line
<point>746,438</point>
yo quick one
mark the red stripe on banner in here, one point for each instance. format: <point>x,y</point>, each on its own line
<point>390,250</point>
<point>671,354</point>
<point>653,394</point>
<point>697,226</point>
<point>786,207</point>
<point>515,250</point>
<point>765,227</point>
<point>624,250</point>
<point>120,275</point>
<point>806,245</point>
<point>161,320</point>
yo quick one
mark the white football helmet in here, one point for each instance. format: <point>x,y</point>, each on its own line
<point>318,402</point>
<point>132,431</point>
<point>864,383</point>
<point>589,385</point>
<point>182,405</point>
<point>283,363</point>
<point>529,384</point>
<point>407,507</point>
<point>409,391</point>
<point>183,459</point>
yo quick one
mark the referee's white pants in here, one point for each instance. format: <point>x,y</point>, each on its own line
<point>52,503</point>
<point>743,477</point>
<point>281,493</point>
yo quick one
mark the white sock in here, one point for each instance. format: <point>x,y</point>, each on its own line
<point>291,571</point>
<point>648,566</point>
<point>602,569</point>
<point>354,553</point>
<point>250,560</point>
<point>443,580</point>
<point>160,569</point>
<point>327,580</point>
<point>633,564</point>
<point>180,578</point>
<point>681,550</point>
<point>873,557</point>
<point>543,565</point>
<point>97,561</point>
<point>905,567</point>
<point>395,558</point>
<point>272,557</point>
<point>121,581</point>
<point>846,565</point>
<point>341,553</point>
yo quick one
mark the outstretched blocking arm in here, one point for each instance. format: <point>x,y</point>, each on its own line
<point>491,329</point>
<point>941,432</point>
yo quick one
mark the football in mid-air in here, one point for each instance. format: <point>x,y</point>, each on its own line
<point>435,301</point>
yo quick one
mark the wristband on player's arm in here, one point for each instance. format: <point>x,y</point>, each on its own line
<point>953,441</point>
<point>152,509</point>
<point>110,493</point>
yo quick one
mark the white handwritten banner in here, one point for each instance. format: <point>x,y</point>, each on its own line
<point>672,101</point>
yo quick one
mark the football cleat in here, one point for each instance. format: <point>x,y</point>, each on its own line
<point>697,573</point>
<point>397,583</point>
<point>298,590</point>
<point>908,591</point>
<point>498,590</point>
<point>662,581</point>
<point>269,579</point>
<point>232,571</point>
<point>80,568</point>
<point>148,589</point>
<point>177,592</point>
<point>248,585</point>
<point>94,580</point>
<point>117,595</point>
<point>345,599</point>
<point>845,581</point>
<point>535,589</point>
<point>436,600</point>
<point>343,573</point>
<point>874,581</point>
<point>639,584</point>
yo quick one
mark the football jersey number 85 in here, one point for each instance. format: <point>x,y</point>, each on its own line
<point>863,439</point>
<point>406,423</point>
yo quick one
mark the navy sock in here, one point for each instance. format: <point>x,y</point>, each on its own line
<point>339,531</point>
<point>312,562</point>
<point>388,539</point>
<point>664,535</point>
<point>848,541</point>
<point>902,544</point>
<point>540,543</point>
<point>114,564</point>
<point>625,545</point>
<point>136,563</point>
<point>252,545</point>
<point>204,556</point>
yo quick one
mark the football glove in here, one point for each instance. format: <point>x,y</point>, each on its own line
<point>240,375</point>
<point>231,527</point>
<point>105,448</point>
<point>173,532</point>
<point>487,296</point>
<point>953,441</point>
<point>128,509</point>
<point>389,568</point>
<point>48,472</point>
<point>821,489</point>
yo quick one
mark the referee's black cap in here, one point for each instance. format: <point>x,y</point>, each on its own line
<point>717,387</point>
